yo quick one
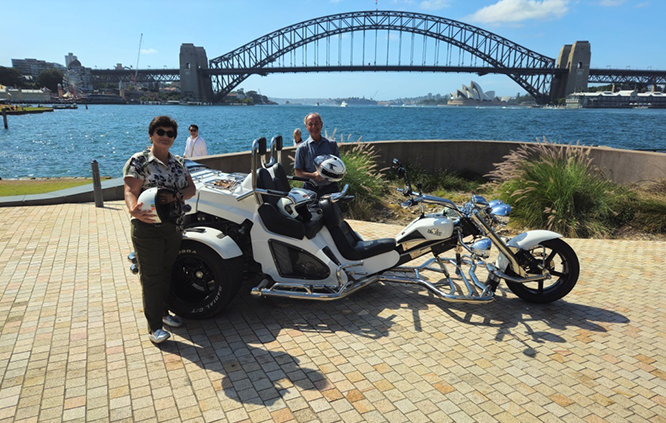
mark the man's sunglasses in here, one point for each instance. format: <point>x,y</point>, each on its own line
<point>161,132</point>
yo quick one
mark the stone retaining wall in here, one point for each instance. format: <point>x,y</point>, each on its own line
<point>621,166</point>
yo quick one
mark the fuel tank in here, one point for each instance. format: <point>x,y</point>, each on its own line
<point>430,227</point>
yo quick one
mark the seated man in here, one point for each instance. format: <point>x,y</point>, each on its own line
<point>307,151</point>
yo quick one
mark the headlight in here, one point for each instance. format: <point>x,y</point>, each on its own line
<point>482,247</point>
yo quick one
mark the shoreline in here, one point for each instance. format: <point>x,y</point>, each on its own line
<point>50,178</point>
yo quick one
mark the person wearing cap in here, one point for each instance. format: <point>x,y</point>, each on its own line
<point>156,244</point>
<point>316,145</point>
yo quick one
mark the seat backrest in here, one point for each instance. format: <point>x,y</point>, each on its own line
<point>265,181</point>
<point>280,177</point>
<point>272,218</point>
<point>350,245</point>
<point>343,235</point>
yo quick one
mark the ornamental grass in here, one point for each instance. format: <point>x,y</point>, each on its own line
<point>365,181</point>
<point>558,187</point>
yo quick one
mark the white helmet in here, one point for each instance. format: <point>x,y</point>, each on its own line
<point>330,167</point>
<point>296,198</point>
<point>163,203</point>
<point>287,207</point>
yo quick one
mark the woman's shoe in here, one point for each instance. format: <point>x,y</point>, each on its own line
<point>159,336</point>
<point>173,321</point>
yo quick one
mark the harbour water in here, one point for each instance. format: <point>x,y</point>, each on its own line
<point>64,143</point>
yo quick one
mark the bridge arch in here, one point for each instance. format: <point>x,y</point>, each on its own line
<point>499,53</point>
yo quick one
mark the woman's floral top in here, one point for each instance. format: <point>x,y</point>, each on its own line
<point>148,168</point>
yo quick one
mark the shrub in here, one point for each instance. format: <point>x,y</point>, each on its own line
<point>647,202</point>
<point>451,185</point>
<point>364,179</point>
<point>559,188</point>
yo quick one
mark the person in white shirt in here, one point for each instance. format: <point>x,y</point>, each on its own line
<point>195,146</point>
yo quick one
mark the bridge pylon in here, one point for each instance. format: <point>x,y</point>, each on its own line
<point>576,59</point>
<point>195,85</point>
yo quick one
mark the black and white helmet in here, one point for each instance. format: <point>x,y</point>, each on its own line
<point>165,204</point>
<point>287,207</point>
<point>296,203</point>
<point>330,167</point>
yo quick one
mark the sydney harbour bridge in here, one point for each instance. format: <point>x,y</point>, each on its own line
<point>385,41</point>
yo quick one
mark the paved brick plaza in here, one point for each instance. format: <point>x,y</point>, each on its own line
<point>73,344</point>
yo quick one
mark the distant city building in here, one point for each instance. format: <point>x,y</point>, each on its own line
<point>18,95</point>
<point>473,96</point>
<point>33,67</point>
<point>626,99</point>
<point>69,59</point>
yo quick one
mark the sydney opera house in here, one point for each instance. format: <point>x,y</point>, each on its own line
<point>473,96</point>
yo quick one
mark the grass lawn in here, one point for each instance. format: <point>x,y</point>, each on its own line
<point>39,186</point>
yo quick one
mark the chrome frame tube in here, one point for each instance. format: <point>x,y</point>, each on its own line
<point>501,246</point>
<point>476,291</point>
<point>496,272</point>
<point>255,151</point>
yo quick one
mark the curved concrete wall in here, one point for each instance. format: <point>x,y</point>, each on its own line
<point>621,166</point>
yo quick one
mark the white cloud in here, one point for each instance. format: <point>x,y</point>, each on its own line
<point>148,51</point>
<point>644,4</point>
<point>512,11</point>
<point>435,4</point>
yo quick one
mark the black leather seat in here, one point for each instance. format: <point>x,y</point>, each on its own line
<point>351,246</point>
<point>274,220</point>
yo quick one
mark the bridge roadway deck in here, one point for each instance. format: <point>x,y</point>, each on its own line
<point>73,345</point>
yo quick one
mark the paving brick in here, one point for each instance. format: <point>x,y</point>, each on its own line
<point>73,343</point>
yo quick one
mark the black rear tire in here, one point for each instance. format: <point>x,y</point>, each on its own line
<point>202,282</point>
<point>562,263</point>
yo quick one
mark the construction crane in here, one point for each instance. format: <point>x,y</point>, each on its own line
<point>138,56</point>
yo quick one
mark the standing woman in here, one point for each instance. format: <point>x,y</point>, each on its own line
<point>156,244</point>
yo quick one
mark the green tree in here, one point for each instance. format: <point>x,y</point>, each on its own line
<point>597,88</point>
<point>49,79</point>
<point>10,77</point>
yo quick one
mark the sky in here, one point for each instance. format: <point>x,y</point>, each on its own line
<point>102,33</point>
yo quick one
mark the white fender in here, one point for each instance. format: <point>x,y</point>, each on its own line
<point>218,241</point>
<point>525,241</point>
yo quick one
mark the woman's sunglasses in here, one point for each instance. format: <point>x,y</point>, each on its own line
<point>161,132</point>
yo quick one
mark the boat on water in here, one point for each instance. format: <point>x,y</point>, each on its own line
<point>23,110</point>
<point>65,106</point>
<point>356,101</point>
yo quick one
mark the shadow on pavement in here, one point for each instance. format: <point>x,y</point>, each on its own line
<point>241,344</point>
<point>250,343</point>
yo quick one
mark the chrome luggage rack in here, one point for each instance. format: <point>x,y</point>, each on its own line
<point>226,182</point>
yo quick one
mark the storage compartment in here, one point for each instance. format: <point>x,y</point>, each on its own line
<point>293,262</point>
